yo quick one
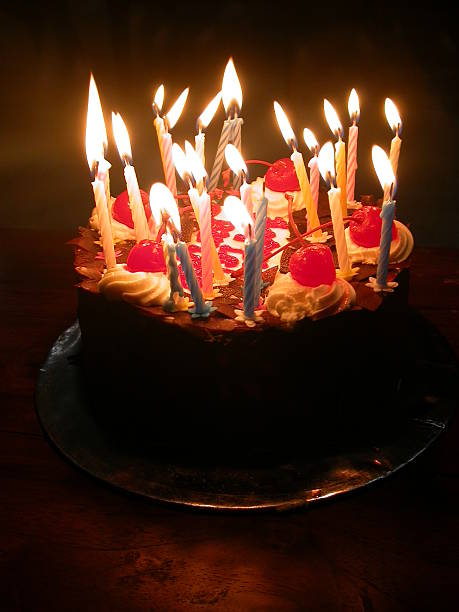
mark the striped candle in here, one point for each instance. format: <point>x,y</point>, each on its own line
<point>236,139</point>
<point>340,157</point>
<point>351,162</point>
<point>250,278</point>
<point>199,141</point>
<point>206,244</point>
<point>219,157</point>
<point>200,307</point>
<point>387,216</point>
<point>168,164</point>
<point>334,198</point>
<point>314,179</point>
<point>260,227</point>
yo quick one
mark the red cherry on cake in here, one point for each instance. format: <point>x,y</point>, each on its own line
<point>365,227</point>
<point>281,176</point>
<point>146,256</point>
<point>313,265</point>
<point>121,211</point>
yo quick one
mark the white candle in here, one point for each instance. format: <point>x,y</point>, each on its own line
<point>203,121</point>
<point>105,228</point>
<point>395,122</point>
<point>123,144</point>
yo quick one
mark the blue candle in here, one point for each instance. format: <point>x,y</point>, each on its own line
<point>250,277</point>
<point>387,216</point>
<point>173,275</point>
<point>260,227</point>
<point>201,308</point>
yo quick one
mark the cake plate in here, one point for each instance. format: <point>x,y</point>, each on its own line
<point>70,426</point>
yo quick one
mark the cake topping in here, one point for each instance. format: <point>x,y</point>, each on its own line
<point>140,288</point>
<point>313,265</point>
<point>121,210</point>
<point>147,256</point>
<point>365,227</point>
<point>281,176</point>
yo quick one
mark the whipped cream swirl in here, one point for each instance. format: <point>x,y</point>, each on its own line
<point>292,301</point>
<point>277,202</point>
<point>400,248</point>
<point>120,231</point>
<point>140,288</point>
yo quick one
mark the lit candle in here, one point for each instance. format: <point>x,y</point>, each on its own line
<point>327,170</point>
<point>183,166</point>
<point>393,118</point>
<point>237,214</point>
<point>354,113</point>
<point>202,203</point>
<point>161,198</point>
<point>94,150</point>
<point>203,121</point>
<point>165,139</point>
<point>238,166</point>
<point>158,121</point>
<point>340,153</point>
<point>313,164</point>
<point>123,144</point>
<point>231,130</point>
<point>297,159</point>
<point>386,176</point>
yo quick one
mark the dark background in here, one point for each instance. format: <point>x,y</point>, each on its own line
<point>292,52</point>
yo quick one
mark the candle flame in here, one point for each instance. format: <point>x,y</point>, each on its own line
<point>96,134</point>
<point>332,119</point>
<point>383,167</point>
<point>176,109</point>
<point>237,214</point>
<point>162,202</point>
<point>326,161</point>
<point>159,98</point>
<point>392,115</point>
<point>284,125</point>
<point>231,88</point>
<point>194,162</point>
<point>208,113</point>
<point>121,136</point>
<point>180,161</point>
<point>310,140</point>
<point>354,106</point>
<point>234,160</point>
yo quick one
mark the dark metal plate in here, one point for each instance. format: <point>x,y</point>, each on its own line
<point>69,424</point>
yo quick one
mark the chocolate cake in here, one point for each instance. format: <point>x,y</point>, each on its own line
<point>215,385</point>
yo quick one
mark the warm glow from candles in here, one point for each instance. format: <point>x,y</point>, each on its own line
<point>392,115</point>
<point>208,113</point>
<point>159,98</point>
<point>96,134</point>
<point>231,88</point>
<point>383,167</point>
<point>194,162</point>
<point>310,140</point>
<point>180,161</point>
<point>333,119</point>
<point>176,109</point>
<point>284,125</point>
<point>354,106</point>
<point>234,160</point>
<point>326,161</point>
<point>121,136</point>
<point>237,214</point>
<point>163,202</point>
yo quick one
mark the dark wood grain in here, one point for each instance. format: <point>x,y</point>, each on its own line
<point>70,543</point>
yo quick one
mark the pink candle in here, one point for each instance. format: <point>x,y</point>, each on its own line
<point>169,168</point>
<point>206,244</point>
<point>314,178</point>
<point>354,113</point>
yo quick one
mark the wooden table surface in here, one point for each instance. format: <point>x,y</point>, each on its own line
<point>70,543</point>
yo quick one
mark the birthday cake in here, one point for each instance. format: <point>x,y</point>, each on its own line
<point>307,369</point>
<point>213,323</point>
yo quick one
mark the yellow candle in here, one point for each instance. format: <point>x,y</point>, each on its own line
<point>341,176</point>
<point>394,154</point>
<point>305,187</point>
<point>395,122</point>
<point>105,228</point>
<point>335,201</point>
